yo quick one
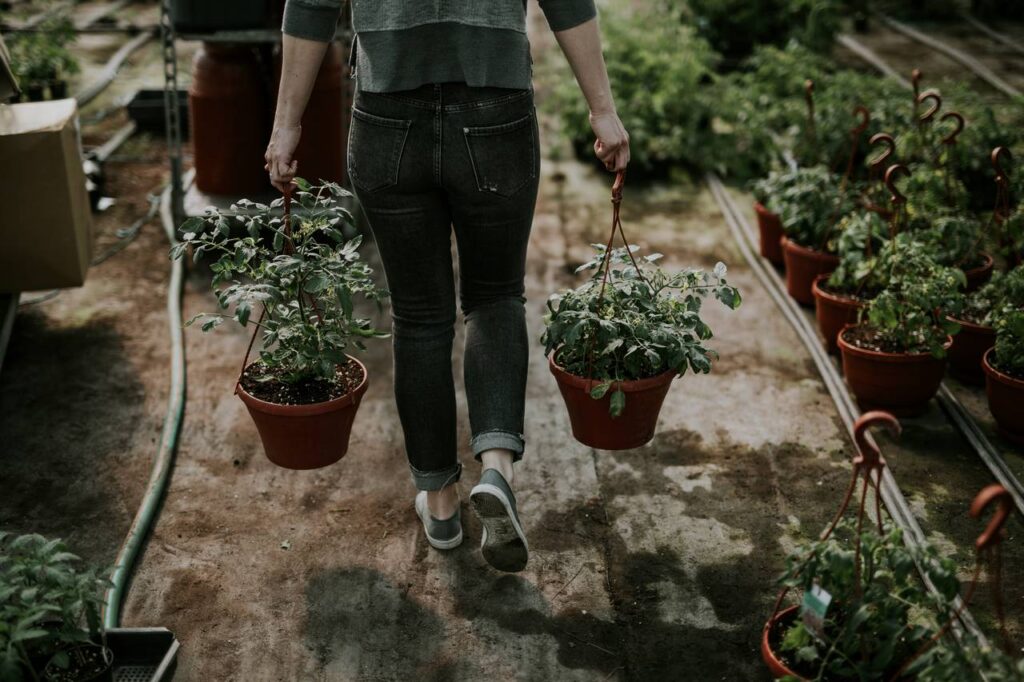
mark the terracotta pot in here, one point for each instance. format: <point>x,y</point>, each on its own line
<point>969,346</point>
<point>900,383</point>
<point>1005,400</point>
<point>976,277</point>
<point>591,422</point>
<point>770,226</point>
<point>802,266</point>
<point>776,667</point>
<point>833,312</point>
<point>306,436</point>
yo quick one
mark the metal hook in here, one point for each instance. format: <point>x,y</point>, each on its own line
<point>890,148</point>
<point>993,533</point>
<point>868,455</point>
<point>915,79</point>
<point>936,99</point>
<point>865,119</point>
<point>620,180</point>
<point>951,137</point>
<point>997,154</point>
<point>890,181</point>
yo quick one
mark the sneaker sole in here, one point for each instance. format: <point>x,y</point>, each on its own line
<point>503,544</point>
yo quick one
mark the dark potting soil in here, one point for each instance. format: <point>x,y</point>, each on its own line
<point>87,663</point>
<point>1006,370</point>
<point>864,337</point>
<point>266,384</point>
<point>839,292</point>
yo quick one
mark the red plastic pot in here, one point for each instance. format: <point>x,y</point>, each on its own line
<point>770,226</point>
<point>967,351</point>
<point>306,436</point>
<point>833,312</point>
<point>802,266</point>
<point>1005,400</point>
<point>776,667</point>
<point>900,383</point>
<point>591,422</point>
<point>976,277</point>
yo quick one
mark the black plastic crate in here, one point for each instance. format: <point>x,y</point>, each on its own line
<point>146,108</point>
<point>143,654</point>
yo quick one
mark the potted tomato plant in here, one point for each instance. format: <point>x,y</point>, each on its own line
<point>769,222</point>
<point>864,614</point>
<point>811,204</point>
<point>840,296</point>
<point>1003,293</point>
<point>895,357</point>
<point>615,343</point>
<point>1004,374</point>
<point>304,389</point>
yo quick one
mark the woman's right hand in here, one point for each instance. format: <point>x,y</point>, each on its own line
<point>279,156</point>
<point>612,143</point>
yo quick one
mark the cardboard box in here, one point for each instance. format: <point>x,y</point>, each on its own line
<point>45,219</point>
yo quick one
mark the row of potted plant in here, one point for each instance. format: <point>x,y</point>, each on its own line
<point>893,280</point>
<point>42,61</point>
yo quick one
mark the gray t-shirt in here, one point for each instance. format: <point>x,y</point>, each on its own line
<point>402,44</point>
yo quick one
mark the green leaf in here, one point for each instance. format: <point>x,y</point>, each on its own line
<point>617,403</point>
<point>598,391</point>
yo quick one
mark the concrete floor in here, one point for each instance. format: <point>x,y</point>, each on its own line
<point>650,564</point>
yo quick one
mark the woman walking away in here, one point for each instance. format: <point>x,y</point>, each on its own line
<point>444,134</point>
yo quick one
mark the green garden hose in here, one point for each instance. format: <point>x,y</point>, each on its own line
<point>149,509</point>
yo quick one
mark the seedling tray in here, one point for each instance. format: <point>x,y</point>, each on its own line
<point>143,654</point>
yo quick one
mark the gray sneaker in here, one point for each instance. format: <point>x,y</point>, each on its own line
<point>441,534</point>
<point>503,543</point>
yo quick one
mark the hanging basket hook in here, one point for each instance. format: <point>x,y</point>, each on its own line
<point>895,195</point>
<point>998,154</point>
<point>930,96</point>
<point>955,116</point>
<point>868,455</point>
<point>993,533</point>
<point>915,80</point>
<point>865,119</point>
<point>890,148</point>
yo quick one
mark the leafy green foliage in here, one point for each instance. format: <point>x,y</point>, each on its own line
<point>1009,350</point>
<point>810,204</point>
<point>951,239</point>
<point>736,27</point>
<point>659,68</point>
<point>951,662</point>
<point>998,297</point>
<point>877,622</point>
<point>45,601</point>
<point>43,56</point>
<point>307,283</point>
<point>862,239</point>
<point>648,321</point>
<point>909,313</point>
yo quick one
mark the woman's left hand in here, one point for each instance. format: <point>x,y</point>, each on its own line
<point>612,143</point>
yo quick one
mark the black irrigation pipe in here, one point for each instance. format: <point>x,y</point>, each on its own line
<point>948,401</point>
<point>979,69</point>
<point>113,65</point>
<point>896,504</point>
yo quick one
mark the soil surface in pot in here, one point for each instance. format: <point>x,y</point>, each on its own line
<point>1019,376</point>
<point>86,663</point>
<point>266,384</point>
<point>867,338</point>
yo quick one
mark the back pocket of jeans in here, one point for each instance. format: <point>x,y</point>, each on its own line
<point>504,157</point>
<point>375,146</point>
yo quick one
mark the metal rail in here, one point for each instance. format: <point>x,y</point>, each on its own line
<point>8,310</point>
<point>979,69</point>
<point>896,504</point>
<point>992,33</point>
<point>871,57</point>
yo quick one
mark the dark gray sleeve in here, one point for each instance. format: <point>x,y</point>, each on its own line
<point>566,14</point>
<point>311,19</point>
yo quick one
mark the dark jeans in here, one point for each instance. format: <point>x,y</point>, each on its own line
<point>422,162</point>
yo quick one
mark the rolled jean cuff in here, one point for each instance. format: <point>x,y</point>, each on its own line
<point>435,480</point>
<point>497,438</point>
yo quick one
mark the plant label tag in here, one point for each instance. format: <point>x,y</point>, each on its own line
<point>812,610</point>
